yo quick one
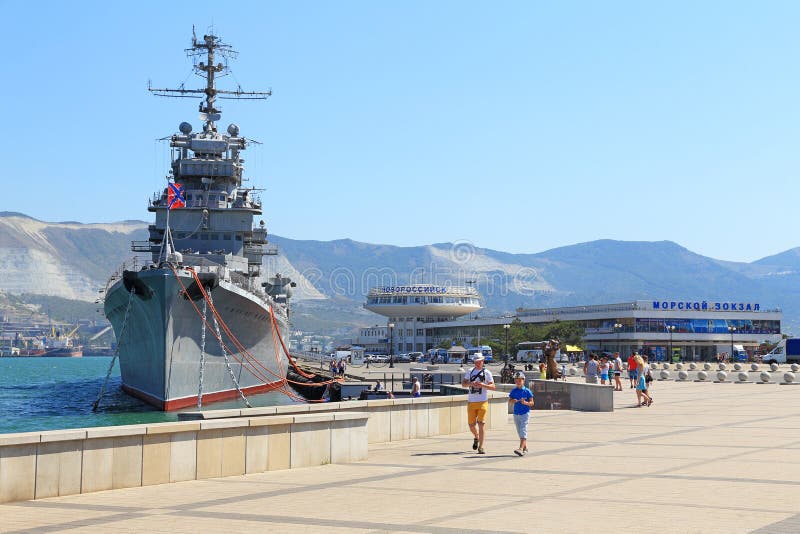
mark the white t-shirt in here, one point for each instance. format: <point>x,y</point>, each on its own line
<point>474,375</point>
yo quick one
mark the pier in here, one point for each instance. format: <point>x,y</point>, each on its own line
<point>704,457</point>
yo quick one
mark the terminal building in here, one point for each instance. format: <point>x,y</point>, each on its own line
<point>410,311</point>
<point>691,330</point>
<point>419,318</point>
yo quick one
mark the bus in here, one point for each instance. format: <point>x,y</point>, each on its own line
<point>533,352</point>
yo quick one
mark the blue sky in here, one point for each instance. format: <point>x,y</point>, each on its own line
<point>518,126</point>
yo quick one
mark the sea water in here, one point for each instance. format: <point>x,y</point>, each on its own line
<point>56,393</point>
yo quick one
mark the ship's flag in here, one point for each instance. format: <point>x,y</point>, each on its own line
<point>175,196</point>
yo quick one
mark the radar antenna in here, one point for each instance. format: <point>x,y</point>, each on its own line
<point>210,46</point>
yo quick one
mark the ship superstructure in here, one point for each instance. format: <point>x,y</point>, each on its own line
<point>202,321</point>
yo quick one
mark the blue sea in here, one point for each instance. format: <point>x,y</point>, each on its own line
<point>56,393</point>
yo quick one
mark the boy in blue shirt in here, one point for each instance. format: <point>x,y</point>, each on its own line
<point>522,400</point>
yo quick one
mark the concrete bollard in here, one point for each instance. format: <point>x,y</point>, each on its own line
<point>795,367</point>
<point>788,377</point>
<point>722,366</point>
<point>692,366</point>
<point>765,377</point>
<point>707,366</point>
<point>743,377</point>
<point>737,366</point>
<point>679,366</point>
<point>573,371</point>
<point>666,365</point>
<point>773,367</point>
<point>754,367</point>
<point>702,376</point>
<point>664,375</point>
<point>721,376</point>
<point>683,375</point>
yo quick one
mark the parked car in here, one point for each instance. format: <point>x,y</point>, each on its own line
<point>402,358</point>
<point>415,356</point>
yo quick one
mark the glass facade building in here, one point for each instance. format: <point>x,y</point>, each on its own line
<point>691,330</point>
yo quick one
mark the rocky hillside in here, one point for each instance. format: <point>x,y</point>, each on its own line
<point>72,260</point>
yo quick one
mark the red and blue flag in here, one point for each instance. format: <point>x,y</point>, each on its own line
<point>175,196</point>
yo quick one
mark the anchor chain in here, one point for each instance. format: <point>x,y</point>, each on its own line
<point>116,352</point>
<point>225,355</point>
<point>202,354</point>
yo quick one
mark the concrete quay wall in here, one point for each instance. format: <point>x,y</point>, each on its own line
<point>390,419</point>
<point>36,465</point>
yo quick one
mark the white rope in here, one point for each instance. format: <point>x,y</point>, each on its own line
<point>116,352</point>
<point>225,355</point>
<point>202,354</point>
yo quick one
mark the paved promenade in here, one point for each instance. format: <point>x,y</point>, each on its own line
<point>703,458</point>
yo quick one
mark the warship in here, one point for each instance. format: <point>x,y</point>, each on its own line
<point>201,322</point>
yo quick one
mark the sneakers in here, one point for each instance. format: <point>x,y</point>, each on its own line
<point>481,451</point>
<point>519,452</point>
<point>475,444</point>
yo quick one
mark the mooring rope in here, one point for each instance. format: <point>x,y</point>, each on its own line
<point>202,355</point>
<point>116,352</point>
<point>225,355</point>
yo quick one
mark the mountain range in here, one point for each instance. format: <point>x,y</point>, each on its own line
<point>72,260</point>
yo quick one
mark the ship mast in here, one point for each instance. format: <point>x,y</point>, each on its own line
<point>210,47</point>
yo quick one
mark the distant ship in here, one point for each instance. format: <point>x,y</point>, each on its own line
<point>201,322</point>
<point>61,345</point>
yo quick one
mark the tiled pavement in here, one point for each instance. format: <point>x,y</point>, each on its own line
<point>703,458</point>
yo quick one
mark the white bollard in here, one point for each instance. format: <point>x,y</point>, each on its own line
<point>754,367</point>
<point>795,367</point>
<point>573,371</point>
<point>692,366</point>
<point>737,367</point>
<point>707,366</point>
<point>665,365</point>
<point>721,376</point>
<point>722,366</point>
<point>765,377</point>
<point>664,375</point>
<point>683,375</point>
<point>788,377</point>
<point>702,376</point>
<point>773,367</point>
<point>679,366</point>
<point>743,377</point>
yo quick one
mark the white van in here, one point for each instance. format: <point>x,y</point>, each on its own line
<point>787,351</point>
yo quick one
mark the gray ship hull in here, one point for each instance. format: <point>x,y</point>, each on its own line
<point>160,348</point>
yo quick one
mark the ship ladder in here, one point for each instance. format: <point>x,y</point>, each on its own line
<point>116,352</point>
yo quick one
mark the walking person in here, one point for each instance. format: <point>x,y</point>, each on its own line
<point>479,381</point>
<point>632,369</point>
<point>522,400</point>
<point>415,388</point>
<point>604,368</point>
<point>617,372</point>
<point>590,369</point>
<point>642,398</point>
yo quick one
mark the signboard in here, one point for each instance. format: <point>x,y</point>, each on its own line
<point>705,305</point>
<point>413,289</point>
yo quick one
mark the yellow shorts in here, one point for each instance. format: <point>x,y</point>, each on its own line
<point>476,411</point>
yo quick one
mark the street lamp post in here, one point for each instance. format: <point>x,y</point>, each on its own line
<point>732,330</point>
<point>618,328</point>
<point>670,329</point>
<point>506,327</point>
<point>391,345</point>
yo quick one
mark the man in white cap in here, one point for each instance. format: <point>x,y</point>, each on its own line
<point>479,380</point>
